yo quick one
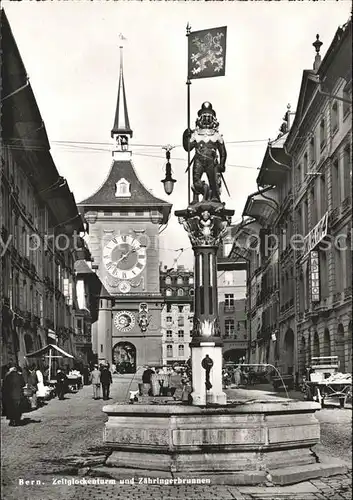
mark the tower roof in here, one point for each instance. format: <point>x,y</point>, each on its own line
<point>121,121</point>
<point>139,197</point>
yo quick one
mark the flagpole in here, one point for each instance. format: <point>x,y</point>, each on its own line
<point>188,84</point>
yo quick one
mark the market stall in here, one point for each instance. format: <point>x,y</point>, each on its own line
<point>53,353</point>
<point>326,383</point>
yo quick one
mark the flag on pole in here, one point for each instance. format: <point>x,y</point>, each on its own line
<point>207,53</point>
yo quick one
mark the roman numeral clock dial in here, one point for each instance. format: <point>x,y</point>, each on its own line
<point>124,258</point>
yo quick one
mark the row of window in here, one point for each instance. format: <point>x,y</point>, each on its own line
<point>229,327</point>
<point>180,292</point>
<point>181,350</point>
<point>317,198</point>
<point>169,334</point>
<point>180,280</point>
<point>320,140</point>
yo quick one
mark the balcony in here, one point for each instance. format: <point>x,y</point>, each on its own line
<point>346,205</point>
<point>26,263</point>
<point>334,216</point>
<point>336,298</point>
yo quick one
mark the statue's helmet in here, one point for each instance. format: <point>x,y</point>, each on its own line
<point>206,116</point>
<point>206,109</point>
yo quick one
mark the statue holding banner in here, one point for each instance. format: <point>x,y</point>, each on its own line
<point>210,155</point>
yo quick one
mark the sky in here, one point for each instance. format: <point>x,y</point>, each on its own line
<point>71,53</point>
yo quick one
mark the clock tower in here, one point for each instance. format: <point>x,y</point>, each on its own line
<point>124,220</point>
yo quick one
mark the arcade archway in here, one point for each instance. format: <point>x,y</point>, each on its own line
<point>340,348</point>
<point>316,346</point>
<point>327,343</point>
<point>124,357</point>
<point>234,355</point>
<point>349,365</point>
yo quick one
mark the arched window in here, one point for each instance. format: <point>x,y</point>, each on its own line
<point>334,117</point>
<point>322,133</point>
<point>168,292</point>
<point>191,280</point>
<point>169,351</point>
<point>168,280</point>
<point>180,292</point>
<point>191,291</point>
<point>181,350</point>
<point>180,280</point>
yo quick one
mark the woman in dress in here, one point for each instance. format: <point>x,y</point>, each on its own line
<point>237,376</point>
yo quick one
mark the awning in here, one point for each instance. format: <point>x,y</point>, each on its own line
<point>46,349</point>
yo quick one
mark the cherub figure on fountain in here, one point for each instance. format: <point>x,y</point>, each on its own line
<point>210,154</point>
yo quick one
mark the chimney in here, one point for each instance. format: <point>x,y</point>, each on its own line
<point>317,44</point>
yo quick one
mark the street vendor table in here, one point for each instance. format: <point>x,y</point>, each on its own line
<point>330,388</point>
<point>326,382</point>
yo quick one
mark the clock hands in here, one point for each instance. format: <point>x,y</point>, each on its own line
<point>125,255</point>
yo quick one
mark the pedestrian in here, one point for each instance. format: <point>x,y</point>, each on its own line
<point>155,387</point>
<point>185,384</point>
<point>237,376</point>
<point>95,378</point>
<point>106,380</point>
<point>32,386</point>
<point>42,390</point>
<point>86,374</point>
<point>146,381</point>
<point>13,395</point>
<point>61,383</point>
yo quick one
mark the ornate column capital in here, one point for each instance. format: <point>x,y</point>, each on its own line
<point>206,223</point>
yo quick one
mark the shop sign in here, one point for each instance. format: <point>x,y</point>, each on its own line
<point>316,235</point>
<point>314,276</point>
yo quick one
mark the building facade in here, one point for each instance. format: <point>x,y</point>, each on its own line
<point>177,288</point>
<point>231,284</point>
<point>296,230</point>
<point>39,223</point>
<point>124,220</point>
<point>88,290</point>
<point>320,145</point>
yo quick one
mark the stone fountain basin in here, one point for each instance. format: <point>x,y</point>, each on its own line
<point>245,440</point>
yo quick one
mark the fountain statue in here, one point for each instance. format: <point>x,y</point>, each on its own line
<point>239,442</point>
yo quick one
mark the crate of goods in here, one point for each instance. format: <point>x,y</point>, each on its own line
<point>317,377</point>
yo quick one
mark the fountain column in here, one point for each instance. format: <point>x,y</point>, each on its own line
<point>206,223</point>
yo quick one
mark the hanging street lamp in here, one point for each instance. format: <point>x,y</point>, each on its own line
<point>168,181</point>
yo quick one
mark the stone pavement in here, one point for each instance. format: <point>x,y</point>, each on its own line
<point>334,488</point>
<point>62,442</point>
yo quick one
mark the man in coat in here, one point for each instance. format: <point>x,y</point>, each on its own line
<point>96,382</point>
<point>13,395</point>
<point>106,380</point>
<point>61,383</point>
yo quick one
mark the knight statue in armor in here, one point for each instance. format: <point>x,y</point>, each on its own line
<point>210,154</point>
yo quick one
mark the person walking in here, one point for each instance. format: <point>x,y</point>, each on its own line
<point>106,380</point>
<point>237,377</point>
<point>13,395</point>
<point>32,385</point>
<point>61,383</point>
<point>95,378</point>
<point>146,387</point>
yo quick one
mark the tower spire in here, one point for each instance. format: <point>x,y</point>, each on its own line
<point>121,127</point>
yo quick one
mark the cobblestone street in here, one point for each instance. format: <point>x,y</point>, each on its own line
<point>60,441</point>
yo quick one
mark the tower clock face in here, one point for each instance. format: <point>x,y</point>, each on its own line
<point>124,257</point>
